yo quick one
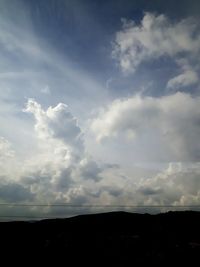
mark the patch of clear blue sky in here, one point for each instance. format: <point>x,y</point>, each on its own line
<point>82,31</point>
<point>85,29</point>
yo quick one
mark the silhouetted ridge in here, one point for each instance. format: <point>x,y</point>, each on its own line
<point>108,238</point>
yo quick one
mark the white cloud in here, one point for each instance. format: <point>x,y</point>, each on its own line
<point>87,183</point>
<point>60,167</point>
<point>57,123</point>
<point>188,76</point>
<point>173,121</point>
<point>5,149</point>
<point>58,170</point>
<point>156,36</point>
<point>177,185</point>
<point>8,160</point>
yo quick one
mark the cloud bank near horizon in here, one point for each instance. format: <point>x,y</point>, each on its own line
<point>61,171</point>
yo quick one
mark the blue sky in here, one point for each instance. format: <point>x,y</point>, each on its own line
<point>99,102</point>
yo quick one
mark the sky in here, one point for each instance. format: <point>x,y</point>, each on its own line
<point>99,106</point>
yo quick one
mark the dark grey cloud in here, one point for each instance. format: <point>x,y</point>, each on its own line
<point>14,192</point>
<point>150,191</point>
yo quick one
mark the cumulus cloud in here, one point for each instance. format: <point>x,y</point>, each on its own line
<point>8,162</point>
<point>188,76</point>
<point>173,120</point>
<point>176,185</point>
<point>57,123</point>
<point>61,166</point>
<point>53,175</point>
<point>58,170</point>
<point>5,149</point>
<point>155,37</point>
<point>11,190</point>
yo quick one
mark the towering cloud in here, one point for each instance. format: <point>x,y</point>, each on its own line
<point>57,123</point>
<point>58,169</point>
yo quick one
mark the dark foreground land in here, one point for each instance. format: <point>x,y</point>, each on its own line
<point>116,238</point>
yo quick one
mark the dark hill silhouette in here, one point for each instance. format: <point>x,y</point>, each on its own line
<point>116,238</point>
